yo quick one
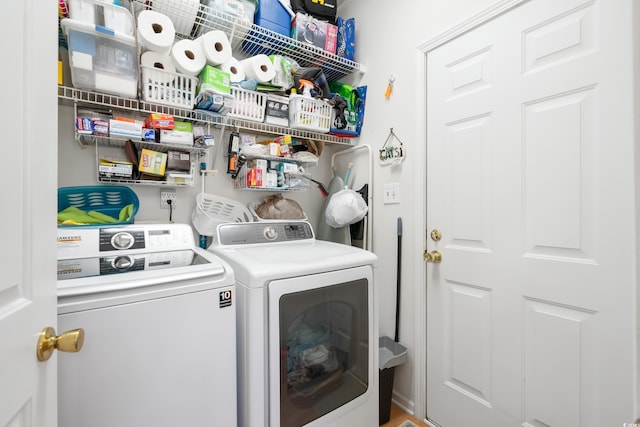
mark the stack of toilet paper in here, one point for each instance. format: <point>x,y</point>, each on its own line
<point>157,37</point>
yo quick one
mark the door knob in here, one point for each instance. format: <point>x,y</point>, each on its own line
<point>433,256</point>
<point>70,341</point>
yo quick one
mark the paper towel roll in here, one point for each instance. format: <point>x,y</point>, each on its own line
<point>183,13</point>
<point>216,47</point>
<point>160,62</point>
<point>259,67</point>
<point>155,31</point>
<point>234,68</point>
<point>188,57</point>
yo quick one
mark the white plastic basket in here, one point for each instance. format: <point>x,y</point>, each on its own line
<point>309,114</point>
<point>163,87</point>
<point>248,104</point>
<point>211,210</point>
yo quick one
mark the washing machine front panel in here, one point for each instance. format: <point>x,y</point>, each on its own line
<point>158,362</point>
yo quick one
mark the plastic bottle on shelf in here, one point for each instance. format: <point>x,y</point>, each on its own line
<point>306,87</point>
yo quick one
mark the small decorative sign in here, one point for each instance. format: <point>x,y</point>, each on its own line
<point>392,152</point>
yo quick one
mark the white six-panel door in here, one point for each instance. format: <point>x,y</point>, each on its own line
<point>530,180</point>
<point>28,123</point>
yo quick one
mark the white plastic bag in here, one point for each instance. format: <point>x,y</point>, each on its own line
<point>345,207</point>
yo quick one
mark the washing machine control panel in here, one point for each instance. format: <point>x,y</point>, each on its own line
<point>263,232</point>
<point>90,242</point>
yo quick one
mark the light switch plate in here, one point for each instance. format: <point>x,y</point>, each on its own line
<point>391,193</point>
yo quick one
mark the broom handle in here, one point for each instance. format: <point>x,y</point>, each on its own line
<point>397,334</point>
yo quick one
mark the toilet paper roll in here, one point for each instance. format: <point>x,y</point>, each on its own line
<point>259,67</point>
<point>155,31</point>
<point>235,70</point>
<point>183,13</point>
<point>188,57</point>
<point>157,63</point>
<point>216,47</point>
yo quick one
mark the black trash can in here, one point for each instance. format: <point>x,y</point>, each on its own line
<point>392,354</point>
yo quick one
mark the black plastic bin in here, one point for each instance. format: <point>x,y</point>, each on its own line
<point>392,354</point>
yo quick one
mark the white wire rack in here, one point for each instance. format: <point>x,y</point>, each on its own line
<point>252,39</point>
<point>84,97</point>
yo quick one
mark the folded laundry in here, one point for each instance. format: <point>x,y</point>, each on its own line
<point>75,216</point>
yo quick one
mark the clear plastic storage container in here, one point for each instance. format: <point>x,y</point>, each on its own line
<point>101,59</point>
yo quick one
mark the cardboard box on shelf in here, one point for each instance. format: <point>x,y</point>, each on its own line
<point>152,162</point>
<point>115,169</point>
<point>175,137</point>
<point>159,121</point>
<point>178,161</point>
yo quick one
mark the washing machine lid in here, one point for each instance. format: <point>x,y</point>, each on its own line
<point>263,251</point>
<point>184,271</point>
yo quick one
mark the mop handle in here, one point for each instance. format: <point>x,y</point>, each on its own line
<point>346,174</point>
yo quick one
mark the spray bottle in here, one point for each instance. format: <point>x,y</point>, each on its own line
<point>307,87</point>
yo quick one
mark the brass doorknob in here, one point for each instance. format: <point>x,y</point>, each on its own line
<point>433,256</point>
<point>70,341</point>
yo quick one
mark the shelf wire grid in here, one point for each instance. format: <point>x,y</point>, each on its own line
<point>248,39</point>
<point>84,97</point>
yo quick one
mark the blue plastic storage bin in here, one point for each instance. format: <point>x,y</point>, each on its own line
<point>108,200</point>
<point>272,15</point>
<point>273,29</point>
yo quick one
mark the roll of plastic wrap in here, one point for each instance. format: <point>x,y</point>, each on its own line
<point>183,13</point>
<point>259,67</point>
<point>216,47</point>
<point>158,63</point>
<point>188,57</point>
<point>155,31</point>
<point>235,70</point>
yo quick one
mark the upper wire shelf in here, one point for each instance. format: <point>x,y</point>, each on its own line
<point>251,39</point>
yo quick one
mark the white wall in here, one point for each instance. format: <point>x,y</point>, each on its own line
<point>387,37</point>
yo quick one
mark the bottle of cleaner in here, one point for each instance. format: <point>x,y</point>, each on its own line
<point>307,87</point>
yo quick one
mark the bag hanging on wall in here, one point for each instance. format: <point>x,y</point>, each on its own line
<point>324,10</point>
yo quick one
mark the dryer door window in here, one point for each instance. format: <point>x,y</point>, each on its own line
<point>323,343</point>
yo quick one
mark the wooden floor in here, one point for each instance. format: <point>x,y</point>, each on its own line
<point>398,416</point>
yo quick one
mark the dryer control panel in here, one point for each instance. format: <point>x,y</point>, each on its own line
<point>246,233</point>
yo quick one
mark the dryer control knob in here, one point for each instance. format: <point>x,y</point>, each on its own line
<point>270,233</point>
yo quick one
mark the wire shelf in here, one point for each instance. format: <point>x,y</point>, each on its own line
<point>81,96</point>
<point>252,39</point>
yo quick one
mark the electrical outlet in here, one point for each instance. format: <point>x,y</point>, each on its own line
<point>165,196</point>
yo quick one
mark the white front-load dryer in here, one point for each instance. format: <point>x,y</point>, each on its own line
<point>307,327</point>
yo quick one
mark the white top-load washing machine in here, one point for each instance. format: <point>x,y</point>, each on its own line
<point>159,321</point>
<point>307,326</point>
